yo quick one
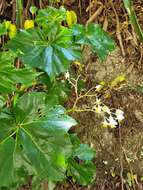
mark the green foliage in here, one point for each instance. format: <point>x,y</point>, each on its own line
<point>52,56</point>
<point>82,173</point>
<point>37,128</point>
<point>2,29</point>
<point>34,128</point>
<point>51,17</point>
<point>53,47</point>
<point>2,101</point>
<point>33,10</point>
<point>36,131</point>
<point>81,168</point>
<point>10,76</point>
<point>60,90</point>
<point>93,36</point>
<point>133,18</point>
<point>7,148</point>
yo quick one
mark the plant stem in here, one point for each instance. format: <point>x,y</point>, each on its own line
<point>133,18</point>
<point>19,8</point>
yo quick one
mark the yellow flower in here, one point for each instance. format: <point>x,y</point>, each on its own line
<point>12,30</point>
<point>71,18</point>
<point>28,24</point>
<point>7,24</point>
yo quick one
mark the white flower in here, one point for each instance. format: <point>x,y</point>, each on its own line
<point>118,111</point>
<point>105,162</point>
<point>119,115</point>
<point>112,122</point>
<point>106,109</point>
<point>98,87</point>
<point>67,75</point>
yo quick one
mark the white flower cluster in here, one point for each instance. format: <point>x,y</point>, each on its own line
<point>67,75</point>
<point>111,118</point>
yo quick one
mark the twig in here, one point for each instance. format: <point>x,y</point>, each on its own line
<point>94,16</point>
<point>118,32</point>
<point>74,84</point>
<point>105,24</point>
<point>79,5</point>
<point>13,10</point>
<point>121,161</point>
<point>94,2</point>
<point>141,56</point>
<point>133,18</point>
<point>90,8</point>
<point>27,7</point>
<point>40,4</point>
<point>79,110</point>
<point>131,171</point>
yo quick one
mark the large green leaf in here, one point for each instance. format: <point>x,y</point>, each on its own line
<point>10,76</point>
<point>83,173</point>
<point>6,127</point>
<point>40,134</point>
<point>39,115</point>
<point>41,121</point>
<point>95,37</point>
<point>41,160</point>
<point>6,162</point>
<point>51,55</point>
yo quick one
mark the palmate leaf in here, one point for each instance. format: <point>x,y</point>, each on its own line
<point>51,55</point>
<point>6,127</point>
<point>9,75</point>
<point>95,37</point>
<point>37,129</point>
<point>80,166</point>
<point>6,162</point>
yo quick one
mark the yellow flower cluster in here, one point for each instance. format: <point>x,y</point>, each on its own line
<point>11,29</point>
